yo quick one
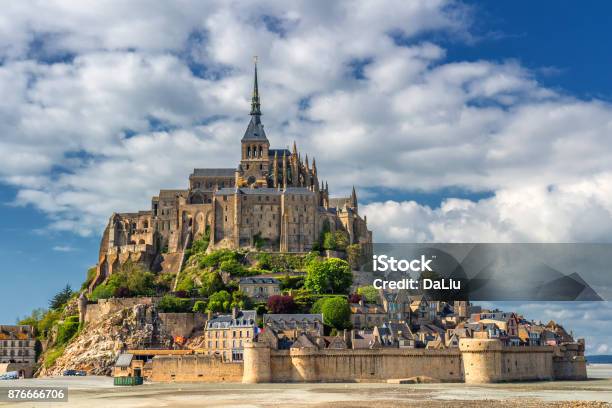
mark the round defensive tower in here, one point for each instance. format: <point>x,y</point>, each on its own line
<point>481,360</point>
<point>257,367</point>
<point>304,363</point>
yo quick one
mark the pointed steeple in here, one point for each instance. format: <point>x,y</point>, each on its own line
<point>353,198</point>
<point>255,106</point>
<point>314,167</point>
<point>255,129</point>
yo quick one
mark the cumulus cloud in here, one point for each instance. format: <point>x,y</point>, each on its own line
<point>570,212</point>
<point>143,92</point>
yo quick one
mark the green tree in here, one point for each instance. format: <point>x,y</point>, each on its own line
<point>199,307</point>
<point>240,300</point>
<point>369,293</point>
<point>211,283</point>
<point>317,307</point>
<point>330,276</point>
<point>141,282</point>
<point>173,304</point>
<point>232,266</point>
<point>61,298</point>
<point>219,302</point>
<point>336,313</point>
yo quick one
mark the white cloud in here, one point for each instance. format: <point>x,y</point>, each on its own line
<point>72,128</point>
<point>64,248</point>
<point>570,212</point>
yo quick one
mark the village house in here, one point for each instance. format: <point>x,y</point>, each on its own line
<point>259,288</point>
<point>391,334</point>
<point>366,315</point>
<point>291,326</point>
<point>225,335</point>
<point>17,344</point>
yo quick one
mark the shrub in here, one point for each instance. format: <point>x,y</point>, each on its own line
<point>280,304</point>
<point>369,293</point>
<point>102,292</point>
<point>211,283</point>
<point>264,261</point>
<point>91,274</point>
<point>291,282</point>
<point>232,266</point>
<point>336,241</point>
<point>173,304</point>
<point>214,259</point>
<point>122,292</point>
<point>199,307</point>
<point>186,284</point>
<point>240,300</point>
<point>219,302</point>
<point>336,313</point>
<point>52,355</point>
<point>67,330</point>
<point>354,255</point>
<point>330,276</point>
<point>354,298</point>
<point>260,309</point>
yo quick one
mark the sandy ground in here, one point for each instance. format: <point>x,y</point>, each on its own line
<point>94,392</point>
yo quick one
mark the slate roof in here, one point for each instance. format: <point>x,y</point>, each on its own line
<point>213,172</point>
<point>245,318</point>
<point>256,280</point>
<point>290,320</point>
<point>279,153</point>
<point>255,130</point>
<point>124,360</point>
<point>263,191</point>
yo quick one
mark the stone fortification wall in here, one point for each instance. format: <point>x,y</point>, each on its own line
<point>486,361</point>
<point>309,365</point>
<point>569,363</point>
<point>193,368</point>
<point>476,361</point>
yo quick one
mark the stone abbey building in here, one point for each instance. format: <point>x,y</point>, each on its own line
<point>272,198</point>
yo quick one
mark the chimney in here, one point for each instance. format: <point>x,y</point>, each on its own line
<point>234,312</point>
<point>210,315</point>
<point>345,336</point>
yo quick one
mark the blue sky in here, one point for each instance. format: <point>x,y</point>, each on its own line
<point>464,120</point>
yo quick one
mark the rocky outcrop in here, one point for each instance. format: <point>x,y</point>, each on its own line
<point>96,347</point>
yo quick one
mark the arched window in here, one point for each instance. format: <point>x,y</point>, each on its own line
<point>249,151</point>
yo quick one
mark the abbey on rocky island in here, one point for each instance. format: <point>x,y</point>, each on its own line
<point>271,200</point>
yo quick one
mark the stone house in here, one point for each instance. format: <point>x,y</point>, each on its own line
<point>17,344</point>
<point>290,326</point>
<point>225,335</point>
<point>366,315</point>
<point>259,288</point>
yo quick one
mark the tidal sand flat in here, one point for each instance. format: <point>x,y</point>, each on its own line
<point>98,392</point>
